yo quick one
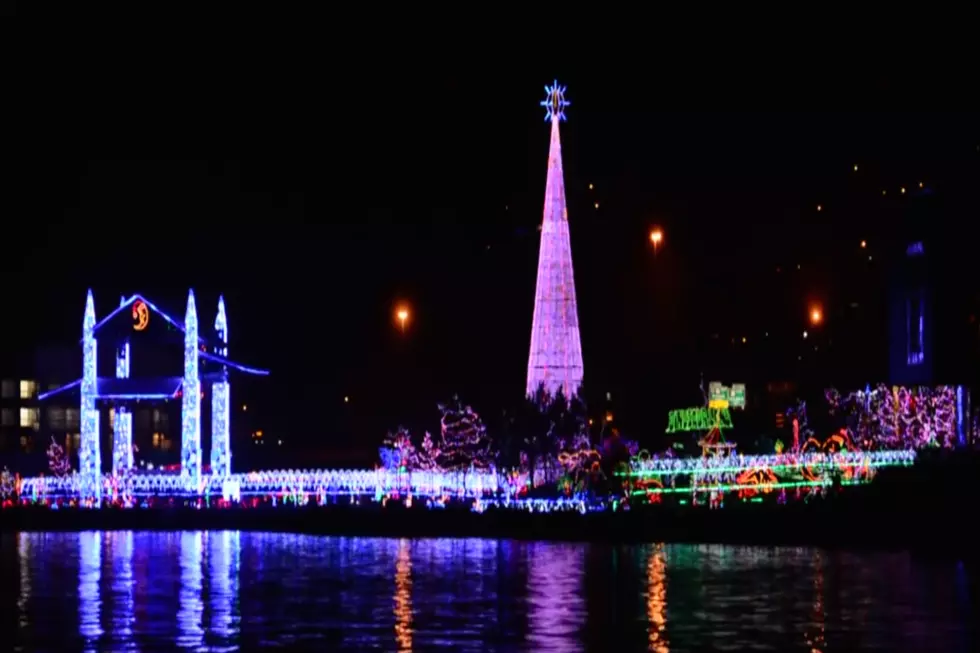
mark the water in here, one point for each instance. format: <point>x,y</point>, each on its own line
<point>225,590</point>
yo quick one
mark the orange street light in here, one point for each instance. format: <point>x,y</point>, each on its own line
<point>816,315</point>
<point>657,238</point>
<point>402,315</point>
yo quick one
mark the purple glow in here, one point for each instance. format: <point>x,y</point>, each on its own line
<point>556,348</point>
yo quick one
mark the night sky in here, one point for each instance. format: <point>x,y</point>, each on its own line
<point>430,189</point>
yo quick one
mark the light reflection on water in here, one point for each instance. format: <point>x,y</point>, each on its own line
<point>224,591</point>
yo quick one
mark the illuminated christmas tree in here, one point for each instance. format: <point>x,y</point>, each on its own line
<point>465,443</point>
<point>58,461</point>
<point>398,451</point>
<point>7,484</point>
<point>425,457</point>
<point>555,360</point>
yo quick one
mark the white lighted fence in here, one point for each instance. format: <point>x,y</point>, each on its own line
<point>473,483</point>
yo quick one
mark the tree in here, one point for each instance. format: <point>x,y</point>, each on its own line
<point>397,450</point>
<point>58,461</point>
<point>424,459</point>
<point>465,443</point>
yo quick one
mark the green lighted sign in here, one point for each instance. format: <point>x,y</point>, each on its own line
<point>698,419</point>
<point>734,394</point>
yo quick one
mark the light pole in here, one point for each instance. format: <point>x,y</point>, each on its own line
<point>657,238</point>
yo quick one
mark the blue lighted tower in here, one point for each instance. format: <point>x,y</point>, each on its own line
<point>220,397</point>
<point>89,455</point>
<point>122,428</point>
<point>190,414</point>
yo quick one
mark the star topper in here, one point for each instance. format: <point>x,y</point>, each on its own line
<point>554,104</point>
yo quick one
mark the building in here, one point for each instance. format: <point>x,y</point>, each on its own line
<point>28,425</point>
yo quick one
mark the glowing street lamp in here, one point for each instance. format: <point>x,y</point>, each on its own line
<point>816,316</point>
<point>402,315</point>
<point>656,237</point>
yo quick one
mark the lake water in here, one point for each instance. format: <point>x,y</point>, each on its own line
<point>226,590</point>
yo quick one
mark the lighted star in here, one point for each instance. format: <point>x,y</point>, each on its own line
<point>554,103</point>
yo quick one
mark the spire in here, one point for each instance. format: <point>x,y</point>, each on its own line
<point>88,322</point>
<point>191,310</point>
<point>556,351</point>
<point>221,322</point>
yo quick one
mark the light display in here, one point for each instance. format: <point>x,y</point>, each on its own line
<point>647,477</point>
<point>698,419</point>
<point>58,461</point>
<point>190,412</point>
<point>465,443</point>
<point>141,315</point>
<point>89,453</point>
<point>221,402</point>
<point>397,452</point>
<point>554,102</point>
<point>8,485</point>
<point>555,359</point>
<point>122,427</point>
<point>899,417</point>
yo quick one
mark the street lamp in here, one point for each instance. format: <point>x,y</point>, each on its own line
<point>816,315</point>
<point>656,237</point>
<point>402,315</point>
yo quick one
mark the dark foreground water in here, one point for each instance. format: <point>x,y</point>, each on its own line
<point>227,590</point>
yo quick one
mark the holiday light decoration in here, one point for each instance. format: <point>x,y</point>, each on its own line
<point>89,453</point>
<point>899,417</point>
<point>141,315</point>
<point>118,390</point>
<point>555,359</point>
<point>675,476</point>
<point>464,440</point>
<point>122,427</point>
<point>397,452</point>
<point>698,419</point>
<point>190,413</point>
<point>221,402</point>
<point>58,461</point>
<point>8,484</point>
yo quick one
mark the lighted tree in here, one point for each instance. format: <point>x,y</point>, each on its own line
<point>7,484</point>
<point>58,461</point>
<point>397,451</point>
<point>425,457</point>
<point>465,443</point>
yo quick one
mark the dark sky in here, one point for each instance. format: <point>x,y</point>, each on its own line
<point>426,185</point>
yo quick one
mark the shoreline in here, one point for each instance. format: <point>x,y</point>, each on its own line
<point>826,524</point>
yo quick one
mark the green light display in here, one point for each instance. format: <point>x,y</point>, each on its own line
<point>698,419</point>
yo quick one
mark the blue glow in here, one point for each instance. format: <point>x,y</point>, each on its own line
<point>68,386</point>
<point>220,406</point>
<point>960,431</point>
<point>146,396</point>
<point>554,103</point>
<point>915,249</point>
<point>221,327</point>
<point>89,454</point>
<point>238,366</point>
<point>190,414</point>
<point>89,587</point>
<point>122,431</point>
<point>153,307</point>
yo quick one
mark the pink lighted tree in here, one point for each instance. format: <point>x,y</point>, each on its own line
<point>58,461</point>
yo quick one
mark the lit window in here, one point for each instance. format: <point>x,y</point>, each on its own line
<point>72,418</point>
<point>76,439</point>
<point>29,418</point>
<point>28,389</point>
